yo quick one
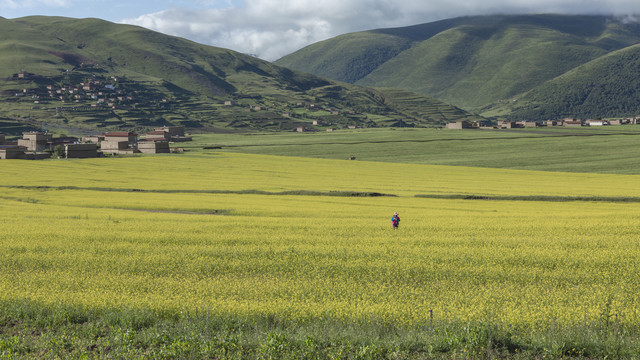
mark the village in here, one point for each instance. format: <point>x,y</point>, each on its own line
<point>42,145</point>
<point>567,122</point>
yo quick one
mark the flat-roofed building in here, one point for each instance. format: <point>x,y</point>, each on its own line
<point>36,141</point>
<point>172,130</point>
<point>95,139</point>
<point>463,124</point>
<point>154,147</point>
<point>81,151</point>
<point>12,152</point>
<point>157,135</point>
<point>116,136</point>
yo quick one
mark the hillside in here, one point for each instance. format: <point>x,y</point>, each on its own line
<point>606,87</point>
<point>470,62</point>
<point>84,75</point>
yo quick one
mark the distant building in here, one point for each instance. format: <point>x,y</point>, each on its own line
<point>36,141</point>
<point>157,135</point>
<point>12,152</point>
<point>95,139</point>
<point>572,123</point>
<point>81,151</point>
<point>116,136</point>
<point>171,133</point>
<point>529,124</point>
<point>592,122</point>
<point>507,124</point>
<point>114,147</point>
<point>154,147</point>
<point>463,124</point>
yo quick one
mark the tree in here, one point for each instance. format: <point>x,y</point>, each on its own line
<point>58,151</point>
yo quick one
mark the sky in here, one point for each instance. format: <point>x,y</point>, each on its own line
<point>270,29</point>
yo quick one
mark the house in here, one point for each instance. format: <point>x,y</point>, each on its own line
<point>114,147</point>
<point>36,141</point>
<point>592,122</point>
<point>154,147</point>
<point>175,133</point>
<point>572,123</point>
<point>230,103</point>
<point>95,139</point>
<point>300,129</point>
<point>528,124</point>
<point>615,122</point>
<point>81,151</point>
<point>116,136</point>
<point>158,136</point>
<point>462,124</point>
<point>172,130</point>
<point>507,124</point>
<point>12,152</point>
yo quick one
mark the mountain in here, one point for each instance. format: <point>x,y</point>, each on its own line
<point>479,63</point>
<point>608,86</point>
<point>83,75</point>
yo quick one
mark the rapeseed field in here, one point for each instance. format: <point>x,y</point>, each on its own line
<point>75,233</point>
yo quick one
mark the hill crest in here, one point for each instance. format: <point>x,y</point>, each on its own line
<point>472,62</point>
<point>166,80</point>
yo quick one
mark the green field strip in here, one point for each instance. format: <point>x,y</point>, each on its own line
<point>614,199</point>
<point>239,192</point>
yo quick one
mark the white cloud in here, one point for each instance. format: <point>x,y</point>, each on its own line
<point>273,28</point>
<point>32,4</point>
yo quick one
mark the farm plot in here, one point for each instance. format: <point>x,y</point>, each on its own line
<point>528,263</point>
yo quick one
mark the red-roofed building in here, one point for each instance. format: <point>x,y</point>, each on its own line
<point>116,136</point>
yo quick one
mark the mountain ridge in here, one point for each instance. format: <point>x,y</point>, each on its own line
<point>474,62</point>
<point>167,80</point>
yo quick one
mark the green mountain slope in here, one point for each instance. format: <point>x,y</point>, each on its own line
<point>606,87</point>
<point>472,62</point>
<point>138,79</point>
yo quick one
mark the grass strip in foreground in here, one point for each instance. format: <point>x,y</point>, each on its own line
<point>29,330</point>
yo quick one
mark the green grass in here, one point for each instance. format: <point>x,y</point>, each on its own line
<point>32,331</point>
<point>601,150</point>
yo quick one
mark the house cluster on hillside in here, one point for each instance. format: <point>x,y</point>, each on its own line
<point>99,90</point>
<point>37,145</point>
<point>567,122</point>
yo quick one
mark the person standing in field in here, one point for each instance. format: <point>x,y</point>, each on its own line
<point>395,221</point>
